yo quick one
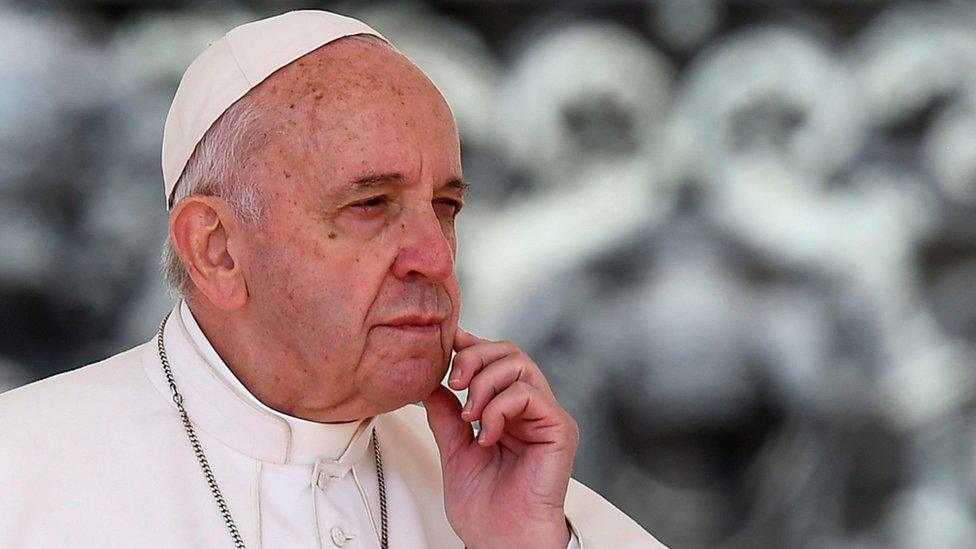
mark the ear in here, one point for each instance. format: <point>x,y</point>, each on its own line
<point>206,236</point>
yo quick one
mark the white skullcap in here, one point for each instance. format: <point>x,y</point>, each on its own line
<point>232,66</point>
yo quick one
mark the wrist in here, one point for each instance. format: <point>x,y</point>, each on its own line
<point>554,536</point>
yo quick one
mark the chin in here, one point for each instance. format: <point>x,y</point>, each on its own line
<point>407,381</point>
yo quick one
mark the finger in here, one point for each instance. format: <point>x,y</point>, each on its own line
<point>470,360</point>
<point>464,339</point>
<point>534,416</point>
<point>443,416</point>
<point>513,443</point>
<point>496,377</point>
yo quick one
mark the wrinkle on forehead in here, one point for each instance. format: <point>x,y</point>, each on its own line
<point>351,69</point>
<point>334,89</point>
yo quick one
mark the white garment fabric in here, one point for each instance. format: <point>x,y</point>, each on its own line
<point>98,457</point>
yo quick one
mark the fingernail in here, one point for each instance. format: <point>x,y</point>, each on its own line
<point>467,408</point>
<point>455,382</point>
<point>481,437</point>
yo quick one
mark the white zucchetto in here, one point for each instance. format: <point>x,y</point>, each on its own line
<point>232,66</point>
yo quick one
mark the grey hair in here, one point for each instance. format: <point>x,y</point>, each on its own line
<point>217,168</point>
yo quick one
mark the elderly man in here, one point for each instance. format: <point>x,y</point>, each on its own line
<point>314,178</point>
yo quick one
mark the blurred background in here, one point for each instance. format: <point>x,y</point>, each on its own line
<point>739,237</point>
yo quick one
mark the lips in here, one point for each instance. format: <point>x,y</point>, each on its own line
<point>415,323</point>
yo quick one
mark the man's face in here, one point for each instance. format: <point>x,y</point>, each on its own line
<point>352,265</point>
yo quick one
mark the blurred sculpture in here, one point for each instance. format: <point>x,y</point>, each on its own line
<point>912,55</point>
<point>45,177</point>
<point>583,112</point>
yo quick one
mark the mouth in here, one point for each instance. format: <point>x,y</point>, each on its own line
<point>415,323</point>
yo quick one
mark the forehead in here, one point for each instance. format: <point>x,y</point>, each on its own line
<point>355,106</point>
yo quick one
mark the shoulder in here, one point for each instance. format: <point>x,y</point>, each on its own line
<point>96,437</point>
<point>600,523</point>
<point>77,403</point>
<point>100,379</point>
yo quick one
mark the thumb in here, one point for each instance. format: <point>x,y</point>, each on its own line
<point>444,417</point>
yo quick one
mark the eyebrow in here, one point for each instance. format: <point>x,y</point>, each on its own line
<point>375,179</point>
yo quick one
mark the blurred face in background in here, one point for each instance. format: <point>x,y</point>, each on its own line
<point>352,265</point>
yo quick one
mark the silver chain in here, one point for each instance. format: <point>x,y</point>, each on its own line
<point>382,485</point>
<point>208,472</point>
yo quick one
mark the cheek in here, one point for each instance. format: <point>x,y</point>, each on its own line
<point>279,285</point>
<point>290,273</point>
<point>318,269</point>
<point>450,327</point>
<point>340,283</point>
<point>269,267</point>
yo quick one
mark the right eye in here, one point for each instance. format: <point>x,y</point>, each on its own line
<point>371,206</point>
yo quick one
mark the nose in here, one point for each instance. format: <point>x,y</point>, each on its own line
<point>425,252</point>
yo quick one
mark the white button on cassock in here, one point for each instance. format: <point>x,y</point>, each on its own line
<point>327,473</point>
<point>339,538</point>
<point>324,479</point>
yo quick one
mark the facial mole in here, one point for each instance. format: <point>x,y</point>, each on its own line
<point>332,235</point>
<point>287,174</point>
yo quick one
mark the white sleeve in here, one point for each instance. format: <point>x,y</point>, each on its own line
<point>575,540</point>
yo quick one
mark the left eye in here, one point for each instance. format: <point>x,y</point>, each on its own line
<point>452,207</point>
<point>370,204</point>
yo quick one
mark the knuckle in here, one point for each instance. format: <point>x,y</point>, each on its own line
<point>525,364</point>
<point>490,412</point>
<point>464,357</point>
<point>570,431</point>
<point>479,384</point>
<point>521,386</point>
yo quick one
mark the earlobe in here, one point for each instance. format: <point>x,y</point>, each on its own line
<point>202,229</point>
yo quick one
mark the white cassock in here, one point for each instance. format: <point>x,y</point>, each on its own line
<point>98,457</point>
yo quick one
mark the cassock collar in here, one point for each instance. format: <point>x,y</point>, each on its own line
<point>218,403</point>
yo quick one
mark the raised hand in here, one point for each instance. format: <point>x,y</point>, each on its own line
<point>507,488</point>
